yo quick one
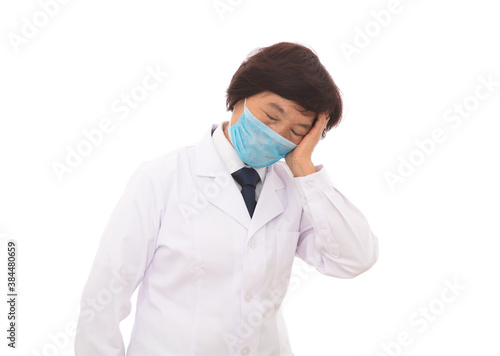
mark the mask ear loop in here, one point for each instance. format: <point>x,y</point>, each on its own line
<point>245,105</point>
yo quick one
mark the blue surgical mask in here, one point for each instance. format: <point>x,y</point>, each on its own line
<point>257,144</point>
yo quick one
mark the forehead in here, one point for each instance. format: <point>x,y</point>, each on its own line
<point>284,106</point>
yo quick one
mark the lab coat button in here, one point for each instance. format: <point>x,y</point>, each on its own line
<point>251,243</point>
<point>245,351</point>
<point>248,297</point>
<point>309,184</point>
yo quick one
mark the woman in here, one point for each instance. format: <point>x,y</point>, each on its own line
<point>209,231</point>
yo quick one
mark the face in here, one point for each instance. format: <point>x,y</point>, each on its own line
<point>281,115</point>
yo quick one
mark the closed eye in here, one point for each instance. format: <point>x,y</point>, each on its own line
<point>273,119</point>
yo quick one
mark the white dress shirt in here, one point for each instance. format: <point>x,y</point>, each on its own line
<point>211,279</point>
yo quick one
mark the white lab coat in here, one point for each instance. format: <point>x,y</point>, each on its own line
<point>211,278</point>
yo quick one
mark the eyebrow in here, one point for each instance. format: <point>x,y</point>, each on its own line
<point>282,112</point>
<point>279,108</point>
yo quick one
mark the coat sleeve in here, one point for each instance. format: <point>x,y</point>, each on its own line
<point>126,249</point>
<point>335,237</point>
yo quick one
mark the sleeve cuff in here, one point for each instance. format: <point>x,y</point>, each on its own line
<point>314,183</point>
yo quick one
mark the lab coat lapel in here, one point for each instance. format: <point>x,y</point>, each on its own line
<point>209,164</point>
<point>269,204</point>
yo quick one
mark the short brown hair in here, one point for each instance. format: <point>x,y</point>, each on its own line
<point>292,71</point>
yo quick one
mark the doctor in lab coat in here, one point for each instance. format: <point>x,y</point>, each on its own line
<point>211,273</point>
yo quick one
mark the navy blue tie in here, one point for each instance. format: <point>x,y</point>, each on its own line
<point>248,179</point>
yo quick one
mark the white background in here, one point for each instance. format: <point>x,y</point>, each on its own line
<point>440,223</point>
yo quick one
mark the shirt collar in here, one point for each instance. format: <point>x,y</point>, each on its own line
<point>229,155</point>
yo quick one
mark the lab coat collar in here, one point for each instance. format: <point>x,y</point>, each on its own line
<point>208,163</point>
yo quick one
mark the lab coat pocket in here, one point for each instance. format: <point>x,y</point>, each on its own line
<point>286,244</point>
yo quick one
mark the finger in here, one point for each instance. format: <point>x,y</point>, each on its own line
<point>324,119</point>
<point>319,126</point>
